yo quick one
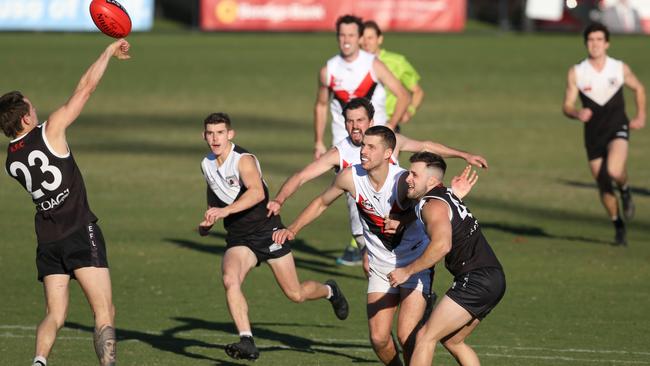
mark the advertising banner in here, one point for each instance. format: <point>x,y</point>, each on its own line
<point>66,15</point>
<point>321,15</point>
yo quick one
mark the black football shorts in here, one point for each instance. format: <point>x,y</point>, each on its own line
<point>83,248</point>
<point>596,146</point>
<point>478,291</point>
<point>262,245</point>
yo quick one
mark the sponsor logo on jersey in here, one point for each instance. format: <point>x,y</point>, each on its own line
<point>365,204</point>
<point>586,89</point>
<point>232,181</point>
<point>613,82</point>
<point>54,201</point>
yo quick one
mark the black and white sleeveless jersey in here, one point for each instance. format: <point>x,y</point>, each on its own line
<point>225,187</point>
<point>602,92</point>
<point>469,248</point>
<point>55,183</point>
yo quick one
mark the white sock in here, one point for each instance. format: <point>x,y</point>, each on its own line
<point>39,360</point>
<point>246,334</point>
<point>329,292</point>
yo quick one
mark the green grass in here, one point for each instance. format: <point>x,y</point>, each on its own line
<point>572,299</point>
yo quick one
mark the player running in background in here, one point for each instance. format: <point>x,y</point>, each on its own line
<point>598,81</point>
<point>70,243</point>
<point>453,233</point>
<point>238,195</point>
<point>375,186</point>
<point>398,65</point>
<point>359,116</point>
<point>353,73</point>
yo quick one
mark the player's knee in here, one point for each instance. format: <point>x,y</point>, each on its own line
<point>380,341</point>
<point>427,336</point>
<point>615,173</point>
<point>230,281</point>
<point>452,345</point>
<point>295,296</point>
<point>58,318</point>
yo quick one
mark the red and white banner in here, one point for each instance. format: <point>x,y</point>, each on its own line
<point>321,15</point>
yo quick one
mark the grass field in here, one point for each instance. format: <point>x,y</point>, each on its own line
<point>572,298</point>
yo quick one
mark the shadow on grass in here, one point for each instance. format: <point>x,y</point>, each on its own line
<point>592,185</point>
<point>307,264</point>
<point>538,232</point>
<point>566,217</point>
<point>171,340</point>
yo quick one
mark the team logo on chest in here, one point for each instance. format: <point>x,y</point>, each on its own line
<point>365,204</point>
<point>232,181</point>
<point>612,82</point>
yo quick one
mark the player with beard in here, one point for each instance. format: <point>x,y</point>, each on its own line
<point>455,235</point>
<point>359,116</point>
<point>353,73</point>
<point>374,184</point>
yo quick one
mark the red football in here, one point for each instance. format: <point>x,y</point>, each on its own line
<point>111,18</point>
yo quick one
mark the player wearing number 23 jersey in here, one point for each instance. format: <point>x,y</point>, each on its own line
<point>70,244</point>
<point>54,182</point>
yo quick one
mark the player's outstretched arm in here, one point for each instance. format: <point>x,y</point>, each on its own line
<point>315,169</point>
<point>406,144</point>
<point>570,97</point>
<point>252,180</point>
<point>462,184</point>
<point>342,183</point>
<point>395,86</point>
<point>320,114</point>
<point>435,215</point>
<point>63,117</point>
<point>632,82</point>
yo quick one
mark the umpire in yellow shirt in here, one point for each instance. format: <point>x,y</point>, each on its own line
<point>398,65</point>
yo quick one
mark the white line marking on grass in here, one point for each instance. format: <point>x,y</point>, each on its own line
<point>561,358</point>
<point>575,350</point>
<point>363,345</point>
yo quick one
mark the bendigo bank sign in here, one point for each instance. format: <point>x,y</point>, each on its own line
<point>321,15</point>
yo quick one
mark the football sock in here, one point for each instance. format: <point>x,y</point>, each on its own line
<point>329,293</point>
<point>617,221</point>
<point>39,361</point>
<point>246,334</point>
